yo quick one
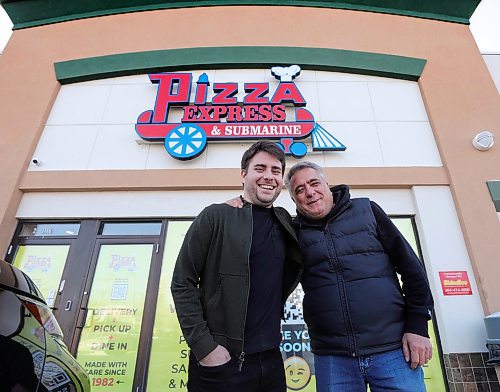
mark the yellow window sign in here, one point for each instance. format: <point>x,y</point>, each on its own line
<point>44,264</point>
<point>169,353</point>
<point>110,338</point>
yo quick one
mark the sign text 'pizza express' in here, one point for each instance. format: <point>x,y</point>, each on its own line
<point>260,115</point>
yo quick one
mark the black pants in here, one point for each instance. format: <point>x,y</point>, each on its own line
<point>261,372</point>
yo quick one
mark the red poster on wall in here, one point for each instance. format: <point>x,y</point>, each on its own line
<point>455,283</point>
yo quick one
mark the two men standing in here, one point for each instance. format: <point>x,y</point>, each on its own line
<point>238,265</point>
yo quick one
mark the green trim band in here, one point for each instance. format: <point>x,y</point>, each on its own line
<point>494,188</point>
<point>30,13</point>
<point>397,67</point>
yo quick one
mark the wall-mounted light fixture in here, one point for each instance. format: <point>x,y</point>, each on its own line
<point>483,141</point>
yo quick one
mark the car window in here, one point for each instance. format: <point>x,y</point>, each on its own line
<point>10,313</point>
<point>44,316</point>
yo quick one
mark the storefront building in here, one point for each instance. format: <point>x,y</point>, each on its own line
<point>120,123</point>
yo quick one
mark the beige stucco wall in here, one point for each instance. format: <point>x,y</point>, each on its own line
<point>460,97</point>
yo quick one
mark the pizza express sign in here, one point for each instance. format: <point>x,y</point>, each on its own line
<point>259,116</point>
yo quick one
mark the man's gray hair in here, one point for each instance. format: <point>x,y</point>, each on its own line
<point>301,166</point>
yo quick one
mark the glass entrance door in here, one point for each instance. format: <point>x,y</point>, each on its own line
<point>44,264</point>
<point>168,362</point>
<point>112,313</point>
<point>433,371</point>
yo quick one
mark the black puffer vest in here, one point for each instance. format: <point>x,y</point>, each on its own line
<point>353,304</point>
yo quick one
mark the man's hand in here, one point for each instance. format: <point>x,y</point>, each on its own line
<point>416,348</point>
<point>235,202</point>
<point>219,356</point>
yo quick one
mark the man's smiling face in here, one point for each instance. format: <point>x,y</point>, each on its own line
<point>311,194</point>
<point>263,180</point>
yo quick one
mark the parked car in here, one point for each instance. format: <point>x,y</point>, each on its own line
<point>33,356</point>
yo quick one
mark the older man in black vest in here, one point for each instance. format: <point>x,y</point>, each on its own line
<point>365,329</point>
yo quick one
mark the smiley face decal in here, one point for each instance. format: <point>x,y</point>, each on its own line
<point>298,373</point>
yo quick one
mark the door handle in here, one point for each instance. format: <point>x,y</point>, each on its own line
<point>61,286</point>
<point>82,318</point>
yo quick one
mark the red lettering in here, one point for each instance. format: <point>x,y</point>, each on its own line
<point>255,93</point>
<point>234,114</point>
<point>265,113</point>
<point>218,112</point>
<point>279,113</point>
<point>225,94</point>
<point>204,113</point>
<point>168,83</point>
<point>200,97</point>
<point>190,113</point>
<point>288,92</point>
<point>251,113</point>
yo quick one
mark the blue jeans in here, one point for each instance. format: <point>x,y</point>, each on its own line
<point>386,371</point>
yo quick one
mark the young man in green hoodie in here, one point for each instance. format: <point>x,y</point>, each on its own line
<point>233,274</point>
